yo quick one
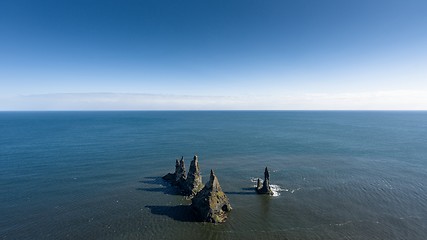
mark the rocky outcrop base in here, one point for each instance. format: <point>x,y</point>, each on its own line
<point>211,204</point>
<point>189,184</point>
<point>264,187</point>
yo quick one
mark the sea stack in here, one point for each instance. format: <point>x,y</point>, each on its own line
<point>179,176</point>
<point>265,187</point>
<point>193,183</point>
<point>211,204</point>
<point>189,184</point>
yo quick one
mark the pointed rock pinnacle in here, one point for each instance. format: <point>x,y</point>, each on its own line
<point>211,204</point>
<point>265,188</point>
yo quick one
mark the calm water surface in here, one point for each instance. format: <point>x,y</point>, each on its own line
<point>96,175</point>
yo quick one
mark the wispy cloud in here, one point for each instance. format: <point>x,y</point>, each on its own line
<point>116,101</point>
<point>383,100</point>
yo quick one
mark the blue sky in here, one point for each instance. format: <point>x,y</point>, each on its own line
<point>243,54</point>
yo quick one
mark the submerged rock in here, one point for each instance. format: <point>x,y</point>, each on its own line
<point>265,187</point>
<point>211,204</point>
<point>193,184</point>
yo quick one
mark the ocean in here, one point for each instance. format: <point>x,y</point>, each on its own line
<point>97,175</point>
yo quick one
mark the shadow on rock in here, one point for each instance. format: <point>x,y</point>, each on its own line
<point>181,213</point>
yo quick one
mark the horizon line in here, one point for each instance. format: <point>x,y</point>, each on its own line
<point>228,110</point>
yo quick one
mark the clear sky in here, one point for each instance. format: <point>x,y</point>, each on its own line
<point>222,54</point>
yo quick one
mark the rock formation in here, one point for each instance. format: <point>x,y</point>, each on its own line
<point>188,184</point>
<point>193,184</point>
<point>179,176</point>
<point>211,204</point>
<point>265,187</point>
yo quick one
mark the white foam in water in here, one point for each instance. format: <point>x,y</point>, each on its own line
<point>254,179</point>
<point>275,188</point>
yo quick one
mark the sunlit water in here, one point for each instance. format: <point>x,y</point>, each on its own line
<point>96,175</point>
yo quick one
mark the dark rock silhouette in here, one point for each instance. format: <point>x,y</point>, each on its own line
<point>264,188</point>
<point>193,184</point>
<point>211,204</point>
<point>189,184</point>
<point>179,176</point>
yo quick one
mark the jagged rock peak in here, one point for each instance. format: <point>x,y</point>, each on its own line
<point>213,182</point>
<point>211,204</point>
<point>265,188</point>
<point>258,184</point>
<point>194,182</point>
<point>194,166</point>
<point>266,174</point>
<point>180,174</point>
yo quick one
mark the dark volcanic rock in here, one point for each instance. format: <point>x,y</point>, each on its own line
<point>265,188</point>
<point>211,204</point>
<point>179,176</point>
<point>169,177</point>
<point>188,184</point>
<point>193,184</point>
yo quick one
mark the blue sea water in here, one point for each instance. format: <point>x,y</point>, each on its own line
<point>96,175</point>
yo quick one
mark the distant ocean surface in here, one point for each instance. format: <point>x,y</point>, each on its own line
<point>96,175</point>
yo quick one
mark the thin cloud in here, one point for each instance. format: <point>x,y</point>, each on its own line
<point>379,100</point>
